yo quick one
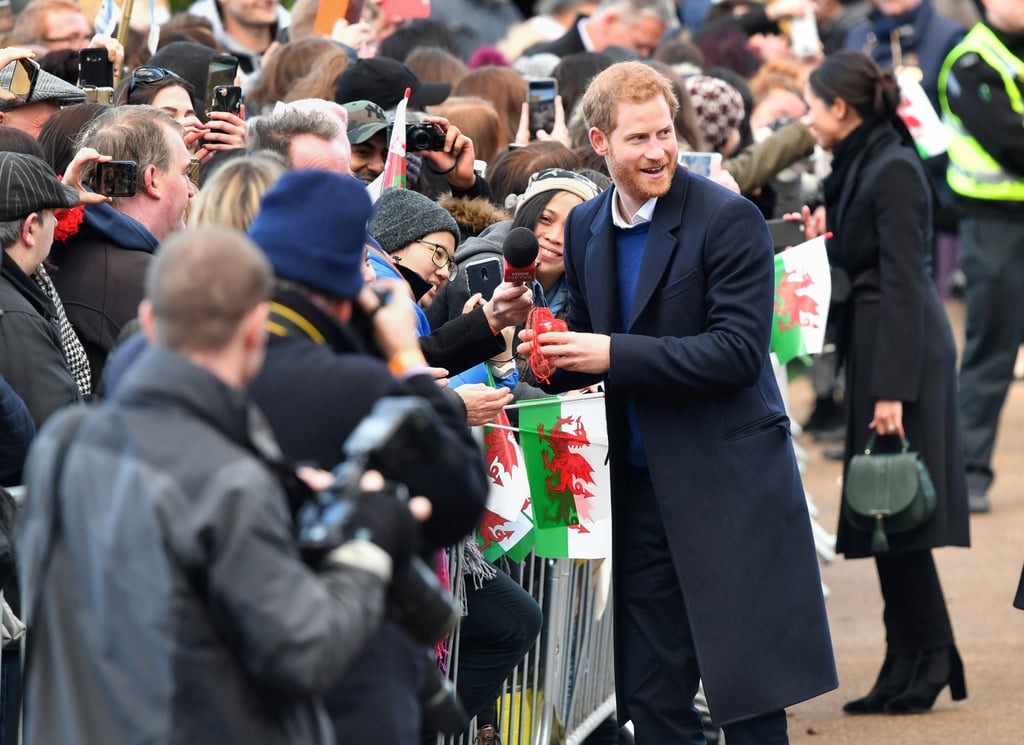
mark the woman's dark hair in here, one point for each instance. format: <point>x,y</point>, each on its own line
<point>530,213</point>
<point>144,93</point>
<point>61,62</point>
<point>859,81</point>
<point>511,169</point>
<point>59,136</point>
<point>574,74</point>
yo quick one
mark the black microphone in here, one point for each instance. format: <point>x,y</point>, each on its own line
<point>520,251</point>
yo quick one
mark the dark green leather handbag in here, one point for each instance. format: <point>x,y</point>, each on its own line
<point>888,493</point>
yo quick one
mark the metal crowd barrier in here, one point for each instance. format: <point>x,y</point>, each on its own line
<point>564,687</point>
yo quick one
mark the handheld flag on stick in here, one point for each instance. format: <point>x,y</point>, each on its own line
<point>803,288</point>
<point>506,527</point>
<point>565,444</point>
<point>394,168</point>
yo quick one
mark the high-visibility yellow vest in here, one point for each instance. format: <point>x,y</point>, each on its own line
<point>972,171</point>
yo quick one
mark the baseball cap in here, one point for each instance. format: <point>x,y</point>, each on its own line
<point>27,185</point>
<point>383,81</point>
<point>365,119</point>
<point>49,88</point>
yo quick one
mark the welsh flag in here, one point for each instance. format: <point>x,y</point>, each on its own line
<point>393,175</point>
<point>565,443</point>
<point>931,136</point>
<point>803,287</point>
<point>506,527</point>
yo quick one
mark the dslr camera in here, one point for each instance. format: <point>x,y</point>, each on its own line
<point>398,438</point>
<point>421,136</point>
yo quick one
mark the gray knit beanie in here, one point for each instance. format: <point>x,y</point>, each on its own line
<point>404,216</point>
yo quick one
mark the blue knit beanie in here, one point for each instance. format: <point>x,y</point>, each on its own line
<point>312,227</point>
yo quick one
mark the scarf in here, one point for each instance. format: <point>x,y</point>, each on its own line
<point>74,352</point>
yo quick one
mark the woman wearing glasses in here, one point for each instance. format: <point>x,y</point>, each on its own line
<point>172,94</point>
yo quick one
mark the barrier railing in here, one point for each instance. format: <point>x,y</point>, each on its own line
<point>564,687</point>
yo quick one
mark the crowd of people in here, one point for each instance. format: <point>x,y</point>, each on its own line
<point>215,549</point>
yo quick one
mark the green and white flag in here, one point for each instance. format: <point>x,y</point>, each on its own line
<point>803,288</point>
<point>565,444</point>
<point>506,527</point>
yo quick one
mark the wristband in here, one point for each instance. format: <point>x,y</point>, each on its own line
<point>502,370</point>
<point>442,173</point>
<point>401,362</point>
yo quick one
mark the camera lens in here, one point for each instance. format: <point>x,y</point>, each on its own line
<point>420,139</point>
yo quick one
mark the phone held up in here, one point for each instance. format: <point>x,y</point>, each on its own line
<point>540,95</point>
<point>19,78</point>
<point>786,233</point>
<point>221,73</point>
<point>96,75</point>
<point>484,275</point>
<point>227,98</point>
<point>116,178</point>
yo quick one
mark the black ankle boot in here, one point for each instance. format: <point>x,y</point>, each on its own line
<point>933,671</point>
<point>893,679</point>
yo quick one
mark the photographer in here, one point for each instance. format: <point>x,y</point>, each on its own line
<point>164,590</point>
<point>321,378</point>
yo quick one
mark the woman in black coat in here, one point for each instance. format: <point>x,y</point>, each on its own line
<point>900,363</point>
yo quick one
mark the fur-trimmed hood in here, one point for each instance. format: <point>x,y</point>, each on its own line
<point>473,215</point>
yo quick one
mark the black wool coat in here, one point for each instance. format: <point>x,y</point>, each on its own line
<point>896,339</point>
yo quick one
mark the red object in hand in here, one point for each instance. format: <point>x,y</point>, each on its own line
<point>541,321</point>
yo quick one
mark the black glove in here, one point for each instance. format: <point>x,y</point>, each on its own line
<point>385,520</point>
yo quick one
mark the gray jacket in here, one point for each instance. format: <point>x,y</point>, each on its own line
<point>172,605</point>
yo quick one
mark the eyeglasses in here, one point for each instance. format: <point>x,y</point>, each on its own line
<point>147,75</point>
<point>440,257</point>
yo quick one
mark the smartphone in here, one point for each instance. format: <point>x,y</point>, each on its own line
<point>540,94</point>
<point>116,178</point>
<point>95,70</point>
<point>803,35</point>
<point>484,275</point>
<point>19,77</point>
<point>227,98</point>
<point>706,164</point>
<point>786,233</point>
<point>195,171</point>
<point>221,73</point>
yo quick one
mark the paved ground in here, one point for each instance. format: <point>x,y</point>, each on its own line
<point>979,584</point>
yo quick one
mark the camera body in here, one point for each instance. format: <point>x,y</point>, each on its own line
<point>421,136</point>
<point>399,436</point>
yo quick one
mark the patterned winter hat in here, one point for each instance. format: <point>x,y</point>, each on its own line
<point>719,108</point>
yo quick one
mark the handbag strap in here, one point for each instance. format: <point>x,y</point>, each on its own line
<point>870,445</point>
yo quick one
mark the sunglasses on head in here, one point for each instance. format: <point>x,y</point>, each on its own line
<point>148,75</point>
